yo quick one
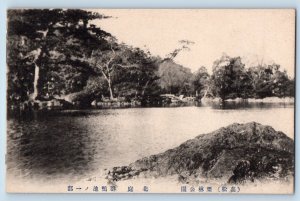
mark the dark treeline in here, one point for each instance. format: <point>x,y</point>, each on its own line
<point>60,54</point>
<point>230,79</point>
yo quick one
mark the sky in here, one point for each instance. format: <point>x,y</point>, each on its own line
<point>254,35</point>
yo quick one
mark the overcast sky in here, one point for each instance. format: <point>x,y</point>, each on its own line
<point>251,34</point>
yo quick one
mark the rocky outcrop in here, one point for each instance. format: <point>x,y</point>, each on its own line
<point>235,154</point>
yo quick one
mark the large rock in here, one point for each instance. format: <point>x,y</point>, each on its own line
<point>236,153</point>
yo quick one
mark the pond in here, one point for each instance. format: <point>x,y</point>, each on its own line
<point>74,144</point>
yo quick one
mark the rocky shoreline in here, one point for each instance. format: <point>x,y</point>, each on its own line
<point>61,104</point>
<point>238,153</point>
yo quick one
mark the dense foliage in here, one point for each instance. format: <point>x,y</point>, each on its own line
<point>56,53</point>
<point>230,79</point>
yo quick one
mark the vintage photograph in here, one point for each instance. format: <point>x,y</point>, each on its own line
<point>150,101</point>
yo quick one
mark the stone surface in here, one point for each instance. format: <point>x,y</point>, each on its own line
<point>237,153</point>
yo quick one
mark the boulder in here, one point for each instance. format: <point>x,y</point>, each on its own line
<point>237,153</point>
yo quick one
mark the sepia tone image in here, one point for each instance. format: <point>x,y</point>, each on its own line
<point>150,101</point>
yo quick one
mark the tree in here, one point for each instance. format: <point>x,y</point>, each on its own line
<point>184,45</point>
<point>124,65</point>
<point>49,39</point>
<point>267,80</point>
<point>291,88</point>
<point>200,82</point>
<point>96,86</point>
<point>136,81</point>
<point>227,77</point>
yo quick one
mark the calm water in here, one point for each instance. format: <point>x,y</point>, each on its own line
<point>75,144</point>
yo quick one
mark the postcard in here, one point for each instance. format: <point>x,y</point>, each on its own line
<point>150,101</point>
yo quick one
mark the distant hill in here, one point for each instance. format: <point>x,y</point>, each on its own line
<point>174,78</point>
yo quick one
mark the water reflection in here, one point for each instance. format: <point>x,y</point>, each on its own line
<point>47,145</point>
<point>248,105</point>
<point>68,144</point>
